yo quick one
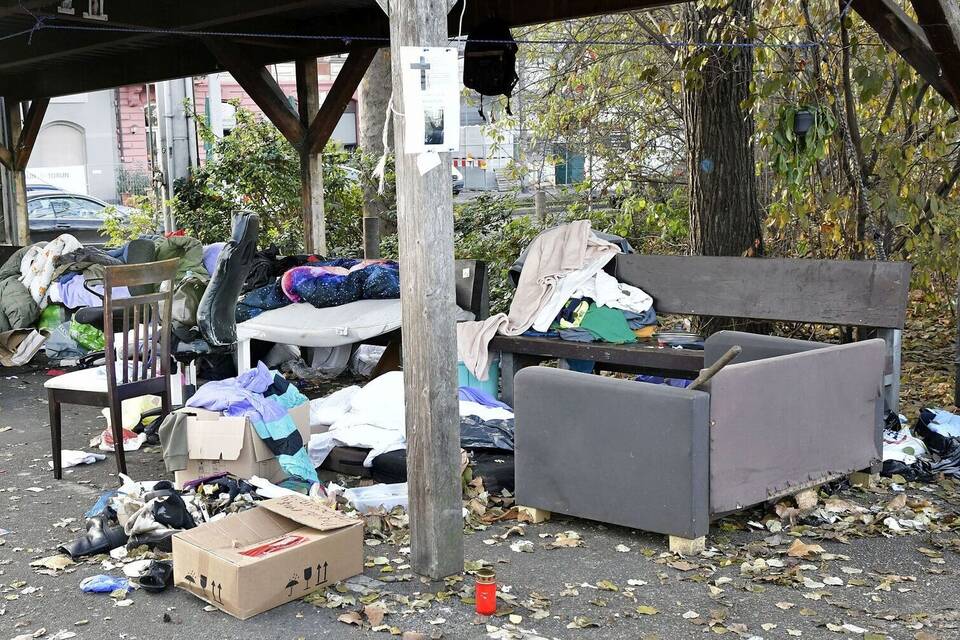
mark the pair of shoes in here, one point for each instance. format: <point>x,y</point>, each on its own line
<point>103,535</point>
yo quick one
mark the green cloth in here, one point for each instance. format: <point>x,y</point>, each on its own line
<point>188,250</point>
<point>607,324</point>
<point>17,308</point>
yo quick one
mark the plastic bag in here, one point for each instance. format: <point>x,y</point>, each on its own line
<point>87,336</point>
<point>51,317</point>
<point>377,496</point>
<point>60,346</point>
<point>103,584</point>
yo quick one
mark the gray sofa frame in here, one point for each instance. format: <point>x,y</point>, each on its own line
<point>786,415</point>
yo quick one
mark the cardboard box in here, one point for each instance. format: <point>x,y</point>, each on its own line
<point>218,443</point>
<point>279,551</point>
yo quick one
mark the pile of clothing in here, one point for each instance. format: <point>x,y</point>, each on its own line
<point>930,449</point>
<point>149,513</point>
<point>373,417</point>
<point>260,395</point>
<point>563,291</point>
<point>324,283</point>
<point>42,283</point>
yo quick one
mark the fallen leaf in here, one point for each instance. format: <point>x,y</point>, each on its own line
<point>607,585</point>
<point>374,614</point>
<point>691,615</point>
<point>799,549</point>
<point>622,548</point>
<point>646,610</point>
<point>351,617</point>
<point>567,539</point>
<point>682,565</point>
<point>57,562</point>
<point>785,605</point>
<point>515,619</point>
<point>897,504</point>
<point>581,622</point>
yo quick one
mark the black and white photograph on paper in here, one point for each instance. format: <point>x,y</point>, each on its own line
<point>432,126</point>
<point>431,99</point>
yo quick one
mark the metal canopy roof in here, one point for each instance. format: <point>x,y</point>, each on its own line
<point>70,54</point>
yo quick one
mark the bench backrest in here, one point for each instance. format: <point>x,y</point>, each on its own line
<point>840,292</point>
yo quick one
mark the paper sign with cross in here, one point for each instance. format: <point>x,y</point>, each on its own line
<point>423,65</point>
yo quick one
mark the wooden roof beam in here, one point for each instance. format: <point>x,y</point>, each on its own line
<point>262,88</point>
<point>339,96</point>
<point>907,38</point>
<point>28,135</point>
<point>50,44</point>
<point>940,20</point>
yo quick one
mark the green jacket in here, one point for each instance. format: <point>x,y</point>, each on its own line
<point>188,250</point>
<point>17,308</point>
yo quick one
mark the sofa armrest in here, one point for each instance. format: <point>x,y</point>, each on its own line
<point>788,421</point>
<point>754,345</point>
<point>613,450</point>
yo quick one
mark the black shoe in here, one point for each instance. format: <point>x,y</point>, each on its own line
<point>103,535</point>
<point>156,577</point>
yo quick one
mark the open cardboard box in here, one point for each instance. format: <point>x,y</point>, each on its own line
<point>278,551</point>
<point>218,443</point>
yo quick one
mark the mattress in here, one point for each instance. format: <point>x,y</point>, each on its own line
<point>304,325</point>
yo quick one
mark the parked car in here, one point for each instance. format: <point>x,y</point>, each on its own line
<point>457,182</point>
<point>52,213</point>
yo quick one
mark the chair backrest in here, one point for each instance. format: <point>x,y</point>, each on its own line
<point>144,322</point>
<point>216,313</point>
<point>473,291</point>
<point>862,293</point>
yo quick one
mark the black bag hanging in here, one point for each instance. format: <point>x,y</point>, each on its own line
<point>490,61</point>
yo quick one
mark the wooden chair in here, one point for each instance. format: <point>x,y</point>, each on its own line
<point>144,353</point>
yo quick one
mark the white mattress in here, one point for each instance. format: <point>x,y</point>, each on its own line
<point>304,325</point>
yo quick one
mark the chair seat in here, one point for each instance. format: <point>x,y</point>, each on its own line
<point>93,380</point>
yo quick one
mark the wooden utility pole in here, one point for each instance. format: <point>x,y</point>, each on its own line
<point>311,162</point>
<point>425,226</point>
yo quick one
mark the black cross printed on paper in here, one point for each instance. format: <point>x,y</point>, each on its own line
<point>423,65</point>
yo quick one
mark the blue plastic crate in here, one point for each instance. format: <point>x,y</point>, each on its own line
<point>491,385</point>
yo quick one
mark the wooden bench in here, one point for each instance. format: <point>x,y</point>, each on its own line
<point>865,294</point>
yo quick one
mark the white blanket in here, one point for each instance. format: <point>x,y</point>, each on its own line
<point>375,420</point>
<point>373,417</point>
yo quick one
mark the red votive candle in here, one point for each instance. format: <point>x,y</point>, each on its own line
<point>486,592</point>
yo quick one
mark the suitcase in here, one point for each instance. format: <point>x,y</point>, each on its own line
<point>493,465</point>
<point>348,461</point>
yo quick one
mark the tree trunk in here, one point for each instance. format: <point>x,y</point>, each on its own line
<point>725,217</point>
<point>374,95</point>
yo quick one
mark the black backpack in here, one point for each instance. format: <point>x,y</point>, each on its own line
<point>490,61</point>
